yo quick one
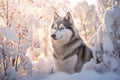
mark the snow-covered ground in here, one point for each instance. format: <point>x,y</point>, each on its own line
<point>85,75</point>
<point>43,71</point>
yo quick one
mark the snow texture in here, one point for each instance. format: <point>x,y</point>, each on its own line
<point>85,75</point>
<point>9,34</point>
<point>12,74</point>
<point>109,20</point>
<point>107,44</point>
<point>116,11</point>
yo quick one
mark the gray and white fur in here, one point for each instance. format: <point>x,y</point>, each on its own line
<point>69,50</point>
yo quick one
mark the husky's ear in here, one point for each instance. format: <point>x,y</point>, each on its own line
<point>55,16</point>
<point>68,17</point>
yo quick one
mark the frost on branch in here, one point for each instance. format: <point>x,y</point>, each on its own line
<point>8,53</point>
<point>8,33</point>
<point>87,22</point>
<point>112,22</point>
<point>111,46</point>
<point>11,72</point>
<point>25,65</point>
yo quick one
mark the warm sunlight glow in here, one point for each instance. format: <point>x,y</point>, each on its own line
<point>59,39</point>
<point>89,1</point>
<point>43,57</point>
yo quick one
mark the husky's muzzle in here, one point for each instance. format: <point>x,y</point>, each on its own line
<point>55,37</point>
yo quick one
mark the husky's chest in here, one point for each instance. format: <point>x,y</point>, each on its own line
<point>67,65</point>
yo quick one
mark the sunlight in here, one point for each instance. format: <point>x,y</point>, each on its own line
<point>42,56</point>
<point>73,2</point>
<point>91,1</point>
<point>30,51</point>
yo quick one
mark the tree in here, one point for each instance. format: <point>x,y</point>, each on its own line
<point>87,18</point>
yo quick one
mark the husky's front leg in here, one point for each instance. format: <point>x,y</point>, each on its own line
<point>69,64</point>
<point>78,66</point>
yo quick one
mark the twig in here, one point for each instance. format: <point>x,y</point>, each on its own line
<point>7,13</point>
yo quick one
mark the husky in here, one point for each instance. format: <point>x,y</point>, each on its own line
<point>69,50</point>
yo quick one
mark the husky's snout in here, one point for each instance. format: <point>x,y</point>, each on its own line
<point>57,36</point>
<point>53,36</point>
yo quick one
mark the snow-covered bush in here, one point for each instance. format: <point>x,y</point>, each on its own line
<point>106,51</point>
<point>8,53</point>
<point>12,62</point>
<point>111,46</point>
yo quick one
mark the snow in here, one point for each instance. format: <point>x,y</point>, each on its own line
<point>2,76</point>
<point>9,34</point>
<point>107,44</point>
<point>12,75</point>
<point>41,71</point>
<point>26,63</point>
<point>91,65</point>
<point>34,75</point>
<point>97,54</point>
<point>116,11</point>
<point>44,64</point>
<point>15,54</point>
<point>110,63</point>
<point>109,19</point>
<point>85,75</point>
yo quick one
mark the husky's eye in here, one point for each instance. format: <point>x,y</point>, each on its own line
<point>55,28</point>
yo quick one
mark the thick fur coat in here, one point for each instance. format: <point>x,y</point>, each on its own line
<point>70,52</point>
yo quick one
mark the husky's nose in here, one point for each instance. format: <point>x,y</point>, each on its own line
<point>53,35</point>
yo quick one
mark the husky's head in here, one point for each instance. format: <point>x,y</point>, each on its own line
<point>62,28</point>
